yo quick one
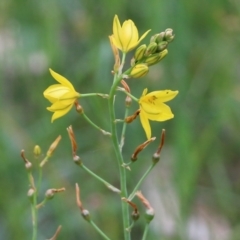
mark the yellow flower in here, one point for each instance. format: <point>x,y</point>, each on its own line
<point>126,37</point>
<point>152,107</point>
<point>62,96</point>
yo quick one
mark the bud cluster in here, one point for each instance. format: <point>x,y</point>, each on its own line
<point>154,52</point>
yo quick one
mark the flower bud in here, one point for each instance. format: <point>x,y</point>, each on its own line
<point>139,70</point>
<point>153,38</point>
<point>139,53</point>
<point>151,48</point>
<point>169,36</point>
<point>155,58</point>
<point>37,151</point>
<point>162,45</point>
<point>160,37</point>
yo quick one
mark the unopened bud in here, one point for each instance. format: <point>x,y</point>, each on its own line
<point>153,38</point>
<point>169,36</point>
<point>151,48</point>
<point>160,37</point>
<point>139,70</point>
<point>155,58</point>
<point>162,45</point>
<point>86,215</point>
<point>37,151</point>
<point>139,53</point>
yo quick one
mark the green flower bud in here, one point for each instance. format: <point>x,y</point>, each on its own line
<point>155,58</point>
<point>153,38</point>
<point>169,36</point>
<point>139,70</point>
<point>162,45</point>
<point>151,48</point>
<point>160,37</point>
<point>139,53</point>
<point>37,150</point>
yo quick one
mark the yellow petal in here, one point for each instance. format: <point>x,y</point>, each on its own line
<point>59,105</point>
<point>61,79</point>
<point>161,96</point>
<point>144,35</point>
<point>145,124</point>
<point>160,113</point>
<point>117,32</point>
<point>60,113</point>
<point>54,92</point>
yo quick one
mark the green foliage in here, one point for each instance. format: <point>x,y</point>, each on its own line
<point>200,163</point>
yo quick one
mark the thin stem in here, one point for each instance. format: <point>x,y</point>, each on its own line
<point>145,231</point>
<point>128,94</point>
<point>99,230</point>
<point>95,126</point>
<point>122,171</point>
<point>111,187</point>
<point>103,95</point>
<point>131,196</point>
<point>34,216</point>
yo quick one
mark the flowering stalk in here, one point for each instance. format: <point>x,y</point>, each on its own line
<point>122,170</point>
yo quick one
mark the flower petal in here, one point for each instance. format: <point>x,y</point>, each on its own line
<point>162,96</point>
<point>160,113</point>
<point>145,124</point>
<point>117,33</point>
<point>60,113</point>
<point>61,79</point>
<point>54,92</point>
<point>59,105</point>
<point>144,35</point>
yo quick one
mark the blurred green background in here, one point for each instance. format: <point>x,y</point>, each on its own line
<point>194,189</point>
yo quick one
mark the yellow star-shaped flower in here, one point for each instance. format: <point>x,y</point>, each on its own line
<point>126,37</point>
<point>62,96</point>
<point>152,107</point>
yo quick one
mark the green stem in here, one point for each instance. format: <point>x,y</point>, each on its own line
<point>34,216</point>
<point>145,231</point>
<point>122,170</point>
<point>124,129</point>
<point>99,230</point>
<point>131,196</point>
<point>111,187</point>
<point>129,94</point>
<point>95,126</point>
<point>103,95</point>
